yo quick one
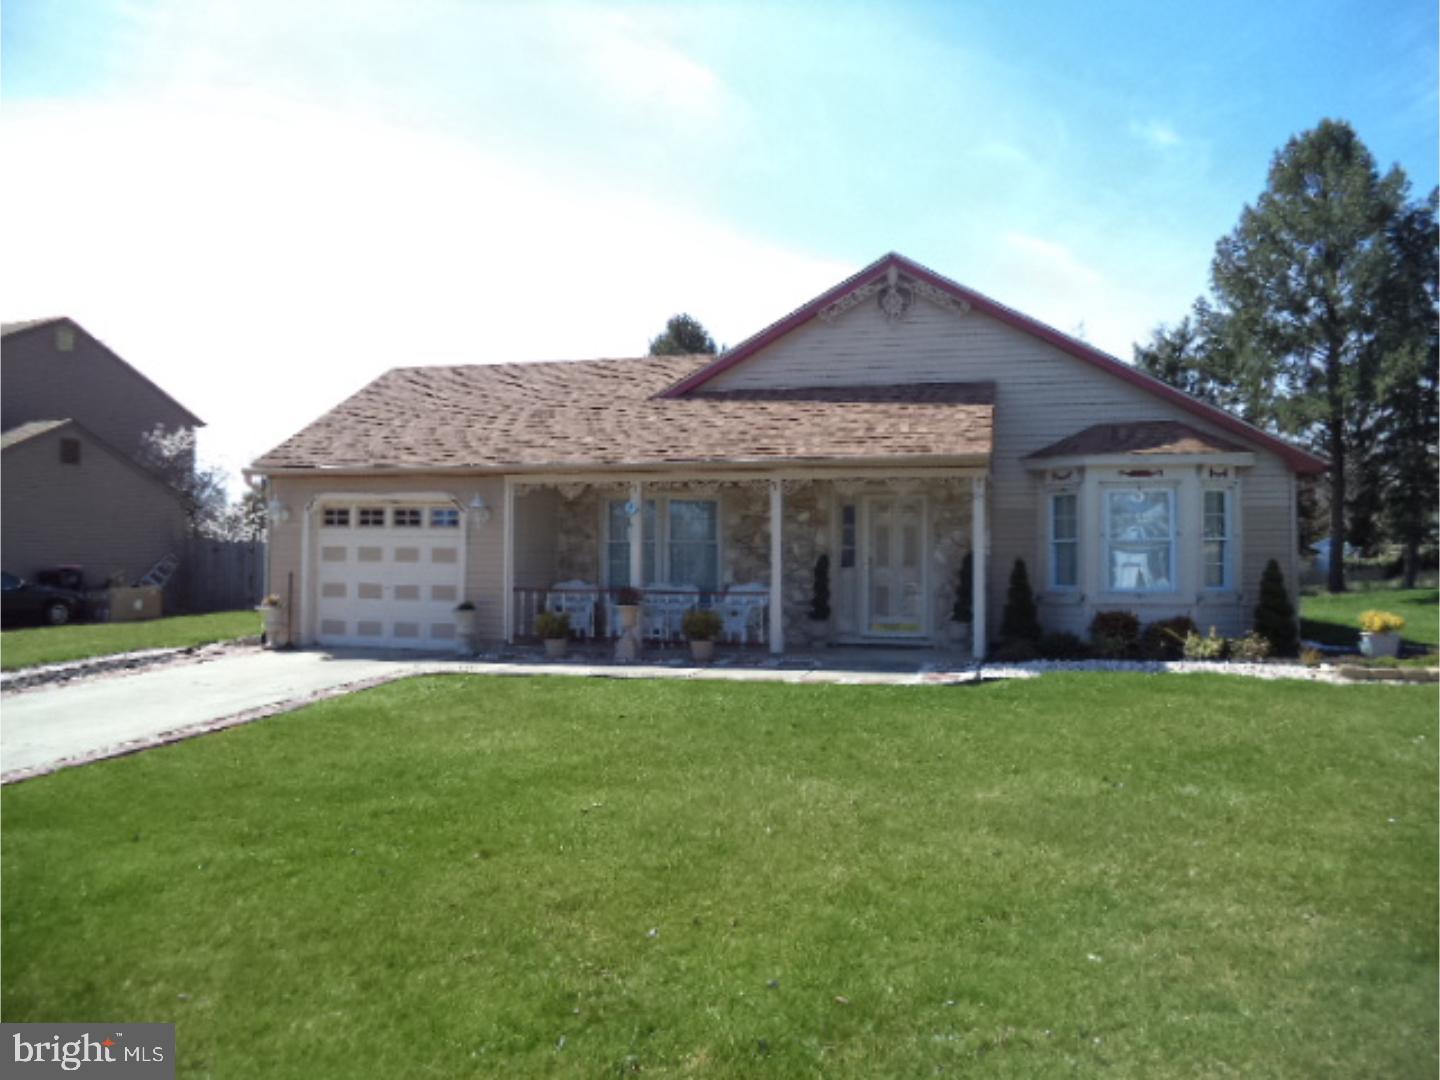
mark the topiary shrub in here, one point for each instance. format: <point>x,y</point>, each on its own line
<point>1250,649</point>
<point>964,609</point>
<point>1275,615</point>
<point>1164,639</point>
<point>1020,622</point>
<point>820,590</point>
<point>552,625</point>
<point>1210,647</point>
<point>1115,635</point>
<point>1015,651</point>
<point>1062,645</point>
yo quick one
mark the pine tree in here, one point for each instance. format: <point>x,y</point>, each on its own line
<point>683,335</point>
<point>1020,621</point>
<point>1275,615</point>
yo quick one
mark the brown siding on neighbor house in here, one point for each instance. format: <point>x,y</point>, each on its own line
<point>1041,394</point>
<point>485,543</point>
<point>103,513</point>
<point>89,384</point>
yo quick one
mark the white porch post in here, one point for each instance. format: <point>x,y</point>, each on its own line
<point>777,612</point>
<point>637,536</point>
<point>979,537</point>
<point>507,574</point>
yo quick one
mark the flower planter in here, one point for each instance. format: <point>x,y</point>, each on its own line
<point>275,636</point>
<point>555,648</point>
<point>1379,644</point>
<point>629,616</point>
<point>702,651</point>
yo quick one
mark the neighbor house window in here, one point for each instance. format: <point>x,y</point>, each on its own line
<point>372,517</point>
<point>1216,539</point>
<point>847,537</point>
<point>1140,540</point>
<point>1064,541</point>
<point>69,451</point>
<point>681,543</point>
<point>337,517</point>
<point>408,517</point>
<point>444,517</point>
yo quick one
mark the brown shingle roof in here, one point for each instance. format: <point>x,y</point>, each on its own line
<point>1145,437</point>
<point>604,413</point>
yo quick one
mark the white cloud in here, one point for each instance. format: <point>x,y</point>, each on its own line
<point>1156,132</point>
<point>261,260</point>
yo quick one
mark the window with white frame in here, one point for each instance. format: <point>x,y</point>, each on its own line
<point>1216,538</point>
<point>337,517</point>
<point>444,517</point>
<point>1064,540</point>
<point>1140,539</point>
<point>371,517</point>
<point>681,543</point>
<point>408,517</point>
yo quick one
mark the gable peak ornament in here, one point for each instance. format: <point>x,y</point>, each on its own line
<point>895,296</point>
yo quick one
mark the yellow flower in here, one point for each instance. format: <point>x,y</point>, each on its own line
<point>1381,622</point>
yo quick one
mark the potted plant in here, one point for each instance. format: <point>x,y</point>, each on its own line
<point>1380,633</point>
<point>466,618</point>
<point>702,627</point>
<point>554,629</point>
<point>627,600</point>
<point>820,602</point>
<point>272,609</point>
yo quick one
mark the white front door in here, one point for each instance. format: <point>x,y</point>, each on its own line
<point>893,558</point>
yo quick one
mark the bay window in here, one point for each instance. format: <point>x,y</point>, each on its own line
<point>1216,538</point>
<point>1064,540</point>
<point>1140,540</point>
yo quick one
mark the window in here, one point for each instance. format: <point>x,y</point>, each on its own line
<point>69,451</point>
<point>372,517</point>
<point>336,517</point>
<point>1215,539</point>
<point>847,537</point>
<point>1064,541</point>
<point>444,517</point>
<point>408,517</point>
<point>681,543</point>
<point>1140,540</point>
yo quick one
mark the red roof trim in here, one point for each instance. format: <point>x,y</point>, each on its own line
<point>1299,460</point>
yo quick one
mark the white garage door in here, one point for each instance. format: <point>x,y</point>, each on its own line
<point>388,574</point>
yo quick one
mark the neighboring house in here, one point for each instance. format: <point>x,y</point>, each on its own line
<point>896,423</point>
<point>73,415</point>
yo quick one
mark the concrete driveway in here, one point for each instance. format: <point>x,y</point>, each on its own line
<point>72,722</point>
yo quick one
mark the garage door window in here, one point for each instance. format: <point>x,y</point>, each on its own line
<point>337,517</point>
<point>444,517</point>
<point>372,517</point>
<point>408,517</point>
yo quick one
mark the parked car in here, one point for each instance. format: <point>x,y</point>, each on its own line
<point>24,601</point>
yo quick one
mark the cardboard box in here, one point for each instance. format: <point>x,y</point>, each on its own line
<point>135,605</point>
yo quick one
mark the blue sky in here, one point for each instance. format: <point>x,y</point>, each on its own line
<point>263,205</point>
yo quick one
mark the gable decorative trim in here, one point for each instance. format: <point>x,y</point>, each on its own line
<point>895,294</point>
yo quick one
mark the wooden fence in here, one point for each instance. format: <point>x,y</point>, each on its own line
<point>222,575</point>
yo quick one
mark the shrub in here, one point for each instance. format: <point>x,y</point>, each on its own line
<point>1250,649</point>
<point>552,625</point>
<point>1061,645</point>
<point>1015,651</point>
<point>1381,622</point>
<point>1164,639</point>
<point>964,609</point>
<point>1312,657</point>
<point>1115,635</point>
<point>1210,647</point>
<point>1020,622</point>
<point>1275,615</point>
<point>819,592</point>
<point>701,625</point>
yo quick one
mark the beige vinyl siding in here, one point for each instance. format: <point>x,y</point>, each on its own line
<point>536,514</point>
<point>1041,395</point>
<point>484,556</point>
<point>104,513</point>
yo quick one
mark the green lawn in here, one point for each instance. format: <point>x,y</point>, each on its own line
<point>52,644</point>
<point>1334,619</point>
<point>1085,874</point>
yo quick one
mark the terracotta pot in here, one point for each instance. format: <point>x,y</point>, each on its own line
<point>1379,644</point>
<point>702,651</point>
<point>555,647</point>
<point>629,616</point>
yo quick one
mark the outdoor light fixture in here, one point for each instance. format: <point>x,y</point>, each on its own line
<point>277,511</point>
<point>480,508</point>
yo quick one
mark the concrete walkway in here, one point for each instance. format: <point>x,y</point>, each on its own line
<point>73,723</point>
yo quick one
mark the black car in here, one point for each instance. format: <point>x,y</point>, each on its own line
<point>24,601</point>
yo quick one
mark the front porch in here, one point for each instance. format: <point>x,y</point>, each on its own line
<point>876,553</point>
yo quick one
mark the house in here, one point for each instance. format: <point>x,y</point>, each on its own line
<point>896,423</point>
<point>74,492</point>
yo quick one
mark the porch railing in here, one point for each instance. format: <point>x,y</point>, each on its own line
<point>594,612</point>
